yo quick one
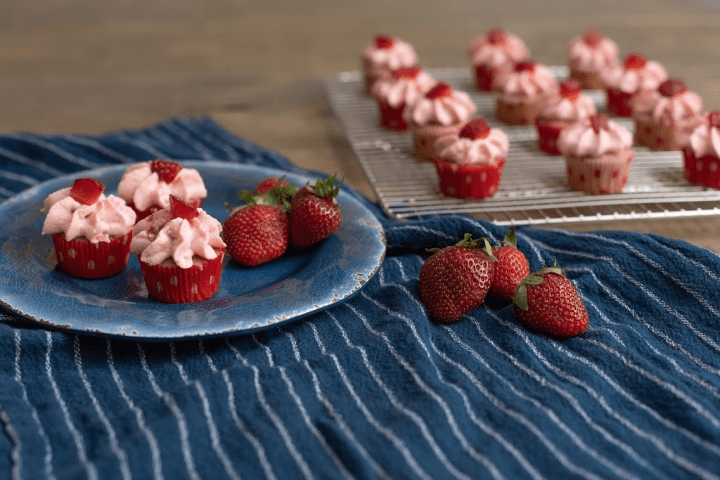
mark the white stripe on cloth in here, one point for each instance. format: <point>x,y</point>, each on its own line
<point>86,142</point>
<point>204,152</point>
<point>17,446</point>
<point>37,165</point>
<point>33,140</point>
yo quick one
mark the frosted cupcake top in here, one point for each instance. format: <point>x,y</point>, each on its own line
<point>166,235</point>
<point>669,104</point>
<point>634,74</point>
<point>388,52</point>
<point>496,48</point>
<point>567,105</point>
<point>594,136</point>
<point>97,218</point>
<point>705,139</point>
<point>476,144</point>
<point>592,52</point>
<point>151,183</point>
<point>405,86</point>
<point>441,105</point>
<point>529,81</point>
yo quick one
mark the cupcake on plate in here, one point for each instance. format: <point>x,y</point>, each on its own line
<point>441,111</point>
<point>702,153</point>
<point>598,154</point>
<point>523,92</point>
<point>635,75</point>
<point>180,253</point>
<point>590,55</point>
<point>91,232</point>
<point>493,56</point>
<point>402,89</point>
<point>469,164</point>
<point>665,118</point>
<point>384,55</point>
<point>559,111</point>
<point>147,186</point>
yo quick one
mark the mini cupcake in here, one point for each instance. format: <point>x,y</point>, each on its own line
<point>384,55</point>
<point>665,118</point>
<point>588,56</point>
<point>147,186</point>
<point>522,93</point>
<point>702,153</point>
<point>91,232</point>
<point>404,87</point>
<point>441,111</point>
<point>598,154</point>
<point>493,56</point>
<point>634,75</point>
<point>180,252</point>
<point>559,111</point>
<point>469,165</point>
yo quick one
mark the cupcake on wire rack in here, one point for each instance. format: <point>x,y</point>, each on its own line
<point>559,111</point>
<point>523,92</point>
<point>702,153</point>
<point>402,89</point>
<point>633,76</point>
<point>588,56</point>
<point>384,55</point>
<point>493,56</point>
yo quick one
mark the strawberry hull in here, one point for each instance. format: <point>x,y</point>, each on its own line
<point>172,284</point>
<point>84,259</point>
<point>472,182</point>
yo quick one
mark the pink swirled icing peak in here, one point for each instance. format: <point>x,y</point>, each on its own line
<point>405,86</point>
<point>592,52</point>
<point>496,48</point>
<point>669,104</point>
<point>705,139</point>
<point>594,136</point>
<point>489,147</point>
<point>634,74</point>
<point>529,81</point>
<point>441,105</point>
<point>566,108</point>
<point>143,188</point>
<point>389,52</point>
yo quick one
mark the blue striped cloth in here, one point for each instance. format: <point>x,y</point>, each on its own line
<point>371,388</point>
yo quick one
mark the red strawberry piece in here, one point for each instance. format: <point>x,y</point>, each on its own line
<point>592,38</point>
<point>672,87</point>
<point>525,66</point>
<point>87,190</point>
<point>511,267</point>
<point>314,213</point>
<point>384,42</point>
<point>409,73</point>
<point>475,129</point>
<point>598,122</point>
<point>634,61</point>
<point>268,184</point>
<point>714,118</point>
<point>496,36</point>
<point>166,170</point>
<point>546,302</point>
<point>570,89</point>
<point>456,279</point>
<point>181,209</point>
<point>440,90</point>
<point>256,233</point>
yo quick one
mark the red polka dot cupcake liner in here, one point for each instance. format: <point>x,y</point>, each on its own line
<point>703,171</point>
<point>618,103</point>
<point>172,284</point>
<point>391,117</point>
<point>484,78</point>
<point>655,136</point>
<point>84,259</point>
<point>599,176</point>
<point>548,134</point>
<point>470,182</point>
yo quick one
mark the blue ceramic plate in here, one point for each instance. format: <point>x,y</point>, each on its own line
<point>248,299</point>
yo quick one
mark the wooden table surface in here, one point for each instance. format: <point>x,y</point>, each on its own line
<point>258,68</point>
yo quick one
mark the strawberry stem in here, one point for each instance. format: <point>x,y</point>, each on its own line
<point>510,238</point>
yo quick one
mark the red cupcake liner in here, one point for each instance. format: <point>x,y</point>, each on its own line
<point>391,117</point>
<point>548,134</point>
<point>520,113</point>
<point>146,213</point>
<point>84,259</point>
<point>484,78</point>
<point>183,285</point>
<point>618,102</point>
<point>655,135</point>
<point>599,176</point>
<point>424,139</point>
<point>703,171</point>
<point>469,181</point>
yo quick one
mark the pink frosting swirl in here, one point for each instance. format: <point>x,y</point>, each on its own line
<point>705,140</point>
<point>400,55</point>
<point>143,188</point>
<point>106,219</point>
<point>511,49</point>
<point>563,109</point>
<point>582,140</point>
<point>468,151</point>
<point>529,84</point>
<point>584,57</point>
<point>403,90</point>
<point>447,110</point>
<point>632,80</point>
<point>160,237</point>
<point>666,110</point>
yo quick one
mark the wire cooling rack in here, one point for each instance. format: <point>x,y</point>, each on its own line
<point>533,189</point>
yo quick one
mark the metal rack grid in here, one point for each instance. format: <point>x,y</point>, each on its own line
<point>533,189</point>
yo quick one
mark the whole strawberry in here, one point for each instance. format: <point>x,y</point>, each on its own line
<point>258,232</point>
<point>268,184</point>
<point>455,279</point>
<point>547,302</point>
<point>314,213</point>
<point>512,266</point>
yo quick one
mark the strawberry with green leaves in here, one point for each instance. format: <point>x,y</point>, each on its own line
<point>314,213</point>
<point>456,279</point>
<point>512,266</point>
<point>546,302</point>
<point>268,184</point>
